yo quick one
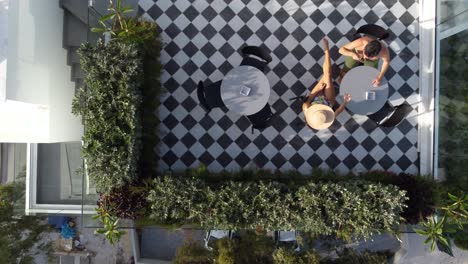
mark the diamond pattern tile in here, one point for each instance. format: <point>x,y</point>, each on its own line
<point>202,42</point>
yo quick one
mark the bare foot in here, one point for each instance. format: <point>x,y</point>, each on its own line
<point>325,43</point>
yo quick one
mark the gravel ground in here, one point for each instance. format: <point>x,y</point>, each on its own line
<point>106,253</point>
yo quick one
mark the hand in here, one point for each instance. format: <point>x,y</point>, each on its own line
<point>325,43</point>
<point>356,57</point>
<point>376,82</point>
<point>323,86</point>
<point>347,98</point>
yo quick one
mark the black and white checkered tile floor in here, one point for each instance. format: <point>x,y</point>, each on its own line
<point>203,39</point>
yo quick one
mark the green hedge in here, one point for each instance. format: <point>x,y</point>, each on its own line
<point>343,209</point>
<point>461,238</point>
<point>422,192</point>
<point>110,106</point>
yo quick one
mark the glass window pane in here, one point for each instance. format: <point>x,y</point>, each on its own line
<point>59,173</point>
<point>453,96</point>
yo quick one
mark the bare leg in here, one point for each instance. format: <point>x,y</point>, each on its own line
<point>325,84</point>
<point>327,75</point>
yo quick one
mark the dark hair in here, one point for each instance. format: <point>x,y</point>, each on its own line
<point>373,48</point>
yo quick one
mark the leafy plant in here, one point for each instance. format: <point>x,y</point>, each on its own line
<point>110,225</point>
<point>454,216</point>
<point>115,22</point>
<point>434,231</point>
<point>126,28</point>
<point>457,210</point>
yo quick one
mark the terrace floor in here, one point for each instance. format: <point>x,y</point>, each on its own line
<point>202,42</point>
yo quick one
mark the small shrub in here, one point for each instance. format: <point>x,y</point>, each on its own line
<point>421,194</point>
<point>127,202</point>
<point>254,248</point>
<point>289,256</point>
<point>349,256</point>
<point>193,253</point>
<point>226,251</point>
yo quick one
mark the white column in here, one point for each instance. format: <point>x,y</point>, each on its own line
<point>426,107</point>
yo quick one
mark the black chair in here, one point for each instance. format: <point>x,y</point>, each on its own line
<point>300,97</point>
<point>390,116</point>
<point>210,96</point>
<point>201,97</point>
<point>259,52</point>
<point>372,30</point>
<point>261,119</point>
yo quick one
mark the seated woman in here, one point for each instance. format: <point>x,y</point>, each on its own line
<point>317,108</point>
<point>365,51</point>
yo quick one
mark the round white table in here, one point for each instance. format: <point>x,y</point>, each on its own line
<point>245,76</point>
<point>357,82</point>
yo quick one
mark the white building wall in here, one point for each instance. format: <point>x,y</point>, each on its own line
<point>23,122</point>
<point>3,46</point>
<point>37,74</point>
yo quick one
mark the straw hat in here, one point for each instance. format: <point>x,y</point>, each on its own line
<point>319,116</point>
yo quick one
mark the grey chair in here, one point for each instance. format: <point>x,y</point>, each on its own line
<point>214,235</point>
<point>389,116</point>
<point>287,238</point>
<point>210,96</point>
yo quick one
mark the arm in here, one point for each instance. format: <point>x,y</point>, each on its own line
<point>348,49</point>
<point>386,63</point>
<point>340,109</point>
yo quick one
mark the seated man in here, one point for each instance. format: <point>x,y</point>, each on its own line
<point>318,106</point>
<point>365,51</point>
